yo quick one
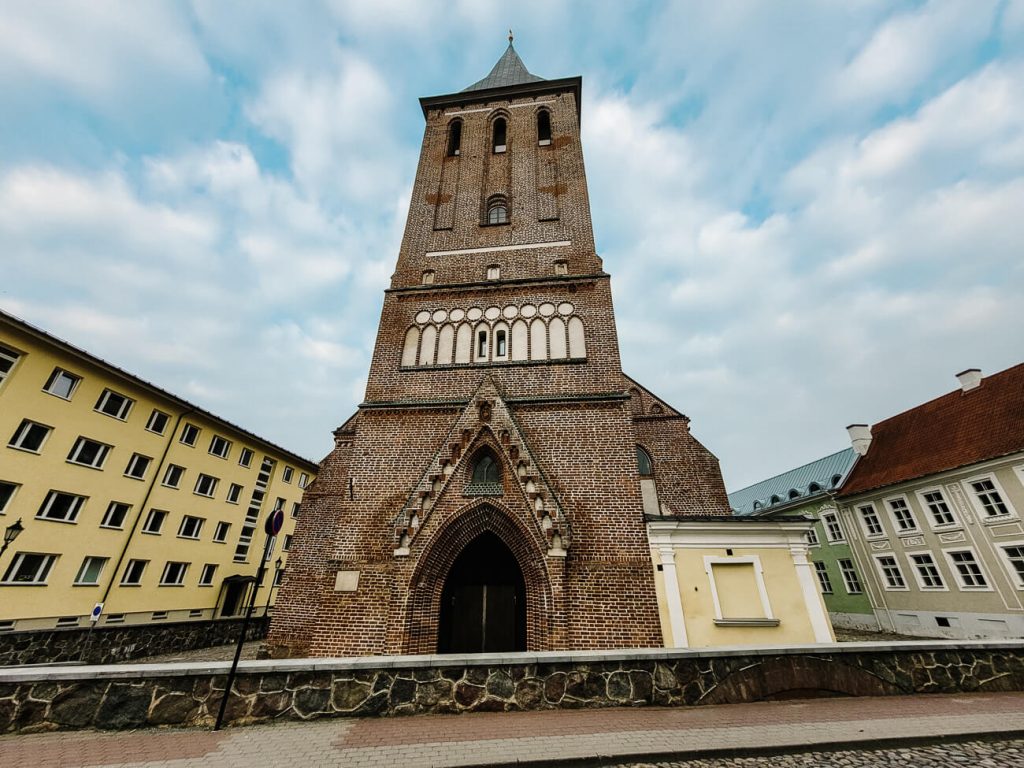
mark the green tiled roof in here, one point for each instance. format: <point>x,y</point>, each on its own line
<point>827,473</point>
<point>509,70</point>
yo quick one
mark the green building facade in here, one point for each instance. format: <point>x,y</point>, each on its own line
<point>809,490</point>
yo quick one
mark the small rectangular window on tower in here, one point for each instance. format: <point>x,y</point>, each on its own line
<point>494,272</point>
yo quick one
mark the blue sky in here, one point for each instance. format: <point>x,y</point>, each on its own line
<point>812,211</point>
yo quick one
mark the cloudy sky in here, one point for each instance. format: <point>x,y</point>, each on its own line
<point>813,212</point>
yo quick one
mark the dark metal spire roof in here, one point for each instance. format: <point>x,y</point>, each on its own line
<point>509,70</point>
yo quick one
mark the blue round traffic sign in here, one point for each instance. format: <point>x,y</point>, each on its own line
<point>274,523</point>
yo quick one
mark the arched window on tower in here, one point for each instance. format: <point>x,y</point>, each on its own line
<point>497,210</point>
<point>455,139</point>
<point>543,128</point>
<point>499,136</point>
<point>648,489</point>
<point>485,478</point>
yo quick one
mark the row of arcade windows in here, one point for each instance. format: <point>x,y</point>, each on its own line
<point>499,134</point>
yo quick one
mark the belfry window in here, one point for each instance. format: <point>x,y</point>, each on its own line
<point>500,344</point>
<point>497,210</point>
<point>481,345</point>
<point>543,128</point>
<point>455,139</point>
<point>499,136</point>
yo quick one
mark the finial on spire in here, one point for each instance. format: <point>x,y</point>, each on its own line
<point>510,35</point>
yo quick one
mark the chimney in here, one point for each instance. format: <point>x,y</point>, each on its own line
<point>860,437</point>
<point>969,379</point>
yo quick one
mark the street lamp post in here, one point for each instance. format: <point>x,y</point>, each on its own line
<point>273,583</point>
<point>13,531</point>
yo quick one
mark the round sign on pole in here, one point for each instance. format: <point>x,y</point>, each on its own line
<point>274,523</point>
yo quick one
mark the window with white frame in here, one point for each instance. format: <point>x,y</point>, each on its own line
<point>206,577</point>
<point>967,568</point>
<point>206,485</point>
<point>1014,554</point>
<point>278,577</point>
<point>62,384</point>
<point>220,533</point>
<point>189,434</point>
<point>234,493</point>
<point>850,579</point>
<point>137,466</point>
<point>937,507</point>
<point>158,421</point>
<point>869,519</point>
<point>190,527</point>
<point>60,507</point>
<point>296,508</point>
<point>245,457</point>
<point>29,568</point>
<point>114,404</point>
<point>287,474</point>
<point>88,453</point>
<point>989,497</point>
<point>303,479</point>
<point>902,515</point>
<point>89,573</point>
<point>823,580</point>
<point>132,576</point>
<point>286,543</point>
<point>173,475</point>
<point>812,536</point>
<point>174,574</point>
<point>732,579</point>
<point>833,530</point>
<point>154,521</point>
<point>891,573</point>
<point>29,436</point>
<point>927,570</point>
<point>7,491</point>
<point>220,447</point>
<point>8,357</point>
<point>115,515</point>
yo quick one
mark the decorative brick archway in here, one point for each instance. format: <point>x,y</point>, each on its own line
<point>428,579</point>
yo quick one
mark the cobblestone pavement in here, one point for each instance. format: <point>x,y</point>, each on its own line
<point>585,737</point>
<point>989,754</point>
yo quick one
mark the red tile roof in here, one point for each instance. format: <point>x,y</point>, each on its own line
<point>954,430</point>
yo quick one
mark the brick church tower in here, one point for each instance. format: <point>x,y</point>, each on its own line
<point>490,493</point>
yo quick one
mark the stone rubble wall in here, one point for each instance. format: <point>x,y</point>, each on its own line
<point>125,697</point>
<point>111,645</point>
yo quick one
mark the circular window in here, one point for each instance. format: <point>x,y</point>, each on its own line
<point>439,315</point>
<point>565,308</point>
<point>475,313</point>
<point>528,310</point>
<point>422,316</point>
<point>457,314</point>
<point>510,311</point>
<point>492,313</point>
<point>547,309</point>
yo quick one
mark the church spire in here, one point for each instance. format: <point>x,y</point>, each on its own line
<point>509,70</point>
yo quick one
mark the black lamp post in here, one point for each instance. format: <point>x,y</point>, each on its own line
<point>13,531</point>
<point>273,583</point>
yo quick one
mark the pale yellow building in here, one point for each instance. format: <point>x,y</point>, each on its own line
<point>129,496</point>
<point>736,581</point>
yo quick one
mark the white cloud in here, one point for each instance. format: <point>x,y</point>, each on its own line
<point>907,48</point>
<point>102,51</point>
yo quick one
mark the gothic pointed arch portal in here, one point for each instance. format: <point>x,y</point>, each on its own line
<point>483,603</point>
<point>484,546</point>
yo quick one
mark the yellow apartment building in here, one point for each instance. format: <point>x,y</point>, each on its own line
<point>128,495</point>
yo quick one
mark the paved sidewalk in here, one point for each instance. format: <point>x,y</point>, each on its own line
<point>540,738</point>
